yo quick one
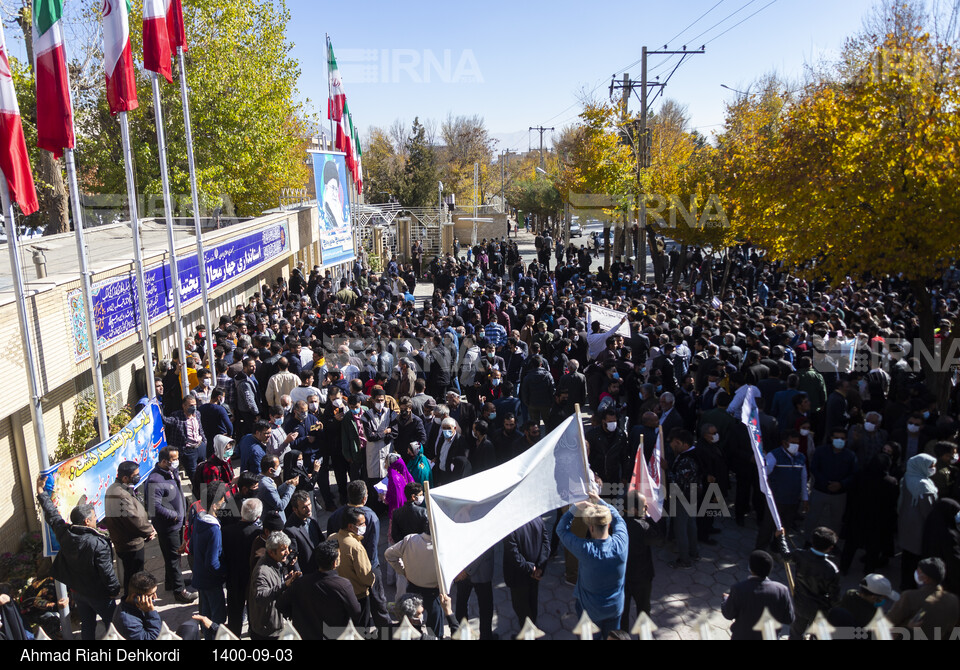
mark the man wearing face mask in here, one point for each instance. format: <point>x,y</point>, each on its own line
<point>185,432</point>
<point>304,425</point>
<point>380,428</point>
<point>787,475</point>
<point>273,496</point>
<point>214,418</point>
<point>833,468</point>
<point>409,426</point>
<point>452,446</point>
<point>867,440</point>
<point>928,609</point>
<point>127,520</point>
<point>354,562</point>
<point>167,507</point>
<point>608,448</point>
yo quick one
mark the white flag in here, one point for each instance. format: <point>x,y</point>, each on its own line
<point>473,514</point>
<point>751,419</point>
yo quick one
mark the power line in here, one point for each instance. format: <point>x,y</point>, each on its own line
<point>746,19</point>
<point>723,20</point>
<point>694,23</point>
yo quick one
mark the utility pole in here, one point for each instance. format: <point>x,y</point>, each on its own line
<point>503,155</point>
<point>643,139</point>
<point>541,130</point>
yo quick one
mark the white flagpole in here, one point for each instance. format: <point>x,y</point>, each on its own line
<point>36,407</point>
<point>168,213</point>
<point>201,259</point>
<point>138,257</point>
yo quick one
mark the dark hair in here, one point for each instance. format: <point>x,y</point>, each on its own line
<point>127,468</point>
<point>261,426</point>
<point>213,493</point>
<point>356,492</point>
<point>761,563</point>
<point>266,463</point>
<point>351,517</point>
<point>246,480</point>
<point>481,426</point>
<point>80,514</point>
<point>823,539</point>
<point>942,448</point>
<point>683,435</point>
<point>412,489</point>
<point>142,583</point>
<point>165,453</point>
<point>299,498</point>
<point>325,556</point>
<point>618,634</point>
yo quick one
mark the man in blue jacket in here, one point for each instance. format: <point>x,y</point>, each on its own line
<point>214,418</point>
<point>167,508</point>
<point>209,574</point>
<point>602,558</point>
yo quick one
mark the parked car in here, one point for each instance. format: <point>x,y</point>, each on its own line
<point>576,230</point>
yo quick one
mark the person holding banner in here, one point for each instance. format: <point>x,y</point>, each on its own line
<point>787,475</point>
<point>602,559</point>
<point>84,562</point>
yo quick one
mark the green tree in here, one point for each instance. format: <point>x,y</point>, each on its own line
<point>418,187</point>
<point>249,127</point>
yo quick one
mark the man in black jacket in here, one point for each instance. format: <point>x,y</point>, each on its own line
<point>238,539</point>
<point>639,578</point>
<point>818,581</point>
<point>84,562</point>
<point>321,603</point>
<point>525,555</point>
<point>304,531</point>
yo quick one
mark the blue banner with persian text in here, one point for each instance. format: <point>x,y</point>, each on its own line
<point>115,301</point>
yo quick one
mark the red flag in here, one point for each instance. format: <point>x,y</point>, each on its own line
<point>647,480</point>
<point>14,160</point>
<point>175,27</point>
<point>156,39</point>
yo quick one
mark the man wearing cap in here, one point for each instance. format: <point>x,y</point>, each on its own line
<point>929,611</point>
<point>746,601</point>
<point>862,603</point>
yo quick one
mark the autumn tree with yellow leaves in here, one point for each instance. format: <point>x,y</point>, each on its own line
<point>860,176</point>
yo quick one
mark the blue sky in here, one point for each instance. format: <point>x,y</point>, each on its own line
<point>523,63</point>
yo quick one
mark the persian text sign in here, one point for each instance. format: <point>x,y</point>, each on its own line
<point>115,300</point>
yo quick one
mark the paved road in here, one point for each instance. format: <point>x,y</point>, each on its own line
<point>681,598</point>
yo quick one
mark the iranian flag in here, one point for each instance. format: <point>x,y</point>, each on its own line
<point>343,132</point>
<point>14,160</point>
<point>338,99</point>
<point>178,33</point>
<point>117,59</point>
<point>156,39</point>
<point>54,111</point>
<point>358,176</point>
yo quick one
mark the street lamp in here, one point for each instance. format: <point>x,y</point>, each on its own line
<point>734,90</point>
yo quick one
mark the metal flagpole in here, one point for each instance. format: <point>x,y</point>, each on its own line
<point>201,259</point>
<point>85,281</point>
<point>36,409</point>
<point>138,257</point>
<point>333,135</point>
<point>168,214</point>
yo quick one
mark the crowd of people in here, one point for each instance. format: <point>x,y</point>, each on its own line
<point>344,394</point>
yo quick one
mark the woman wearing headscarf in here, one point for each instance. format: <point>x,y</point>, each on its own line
<point>870,519</point>
<point>918,493</point>
<point>941,539</point>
